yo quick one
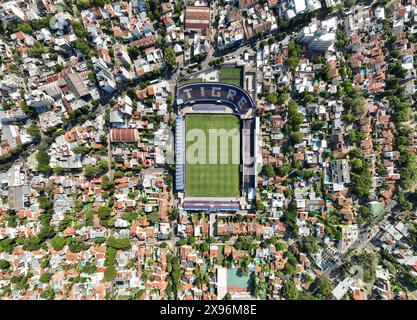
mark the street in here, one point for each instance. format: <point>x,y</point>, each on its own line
<point>366,235</point>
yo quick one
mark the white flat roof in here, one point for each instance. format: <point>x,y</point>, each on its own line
<point>221,282</point>
<point>299,6</point>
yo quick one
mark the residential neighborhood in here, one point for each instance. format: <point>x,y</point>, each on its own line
<point>100,199</point>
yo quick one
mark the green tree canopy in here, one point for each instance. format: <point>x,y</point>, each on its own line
<point>120,244</point>
<point>170,56</point>
<point>268,170</point>
<point>290,290</point>
<point>272,97</point>
<point>43,159</point>
<point>58,243</point>
<point>323,285</point>
<point>4,265</point>
<point>110,273</point>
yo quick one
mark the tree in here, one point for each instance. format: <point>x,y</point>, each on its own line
<point>294,53</point>
<point>47,232</point>
<point>25,27</point>
<point>46,277</point>
<point>103,166</point>
<point>361,175</point>
<point>33,130</point>
<point>408,169</point>
<point>58,243</point>
<point>99,241</point>
<point>43,159</point>
<point>272,97</point>
<point>191,240</point>
<point>4,265</point>
<point>77,245</point>
<point>110,273</point>
<point>349,3</point>
<point>290,290</point>
<point>178,8</point>
<point>397,69</point>
<point>317,125</point>
<point>308,98</point>
<point>110,256</point>
<point>107,184</point>
<point>7,245</point>
<point>355,153</point>
<point>170,56</point>
<point>104,212</point>
<point>295,117</point>
<point>48,293</point>
<point>296,137</point>
<point>120,244</point>
<point>332,232</point>
<point>357,164</point>
<point>310,245</point>
<point>282,98</point>
<point>365,214</point>
<point>323,285</point>
<point>43,22</point>
<point>90,171</point>
<point>293,62</point>
<point>281,246</point>
<point>341,39</point>
<point>289,269</point>
<point>284,169</point>
<point>410,279</point>
<point>181,242</point>
<point>82,46</point>
<point>268,170</point>
<point>204,247</point>
<point>130,216</point>
<point>403,203</point>
<point>153,217</point>
<point>174,214</point>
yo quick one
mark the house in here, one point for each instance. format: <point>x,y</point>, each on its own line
<point>76,85</point>
<point>340,173</point>
<point>197,19</point>
<point>350,234</point>
<point>124,135</point>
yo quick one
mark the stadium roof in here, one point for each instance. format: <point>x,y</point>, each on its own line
<point>179,154</point>
<point>205,205</point>
<point>215,92</point>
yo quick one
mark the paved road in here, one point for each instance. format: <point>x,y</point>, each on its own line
<point>365,237</point>
<point>213,55</point>
<point>109,157</point>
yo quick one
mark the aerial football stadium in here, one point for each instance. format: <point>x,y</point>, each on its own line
<point>216,137</point>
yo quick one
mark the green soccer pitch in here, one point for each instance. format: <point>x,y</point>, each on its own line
<point>213,180</point>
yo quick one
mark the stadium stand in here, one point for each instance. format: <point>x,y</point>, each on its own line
<point>228,94</point>
<point>207,98</point>
<point>210,205</point>
<point>208,107</point>
<point>248,153</point>
<point>180,153</point>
